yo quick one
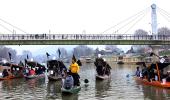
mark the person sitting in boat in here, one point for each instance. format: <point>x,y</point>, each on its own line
<point>144,71</point>
<point>74,69</point>
<point>62,67</point>
<point>168,76</point>
<point>106,68</point>
<point>5,73</point>
<point>99,66</point>
<point>137,72</point>
<point>31,72</point>
<point>68,82</point>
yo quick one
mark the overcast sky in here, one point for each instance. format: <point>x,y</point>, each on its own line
<point>71,16</point>
<point>74,16</point>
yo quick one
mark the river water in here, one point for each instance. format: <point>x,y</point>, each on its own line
<point>119,87</point>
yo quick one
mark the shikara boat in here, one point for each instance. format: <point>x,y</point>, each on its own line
<point>102,69</point>
<point>72,90</point>
<point>14,71</point>
<point>102,77</point>
<point>153,83</point>
<point>55,69</point>
<point>40,73</point>
<point>158,83</point>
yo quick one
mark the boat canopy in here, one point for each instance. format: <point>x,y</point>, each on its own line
<point>34,64</point>
<point>160,65</point>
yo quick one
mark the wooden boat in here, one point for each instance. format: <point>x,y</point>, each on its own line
<point>153,83</point>
<point>158,66</point>
<point>99,77</point>
<point>7,78</point>
<point>74,89</point>
<point>89,60</point>
<point>14,71</point>
<point>35,76</point>
<point>54,78</point>
<point>120,62</point>
<point>33,64</point>
<point>54,69</point>
<point>30,76</point>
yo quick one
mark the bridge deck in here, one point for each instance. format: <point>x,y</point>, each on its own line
<point>83,39</point>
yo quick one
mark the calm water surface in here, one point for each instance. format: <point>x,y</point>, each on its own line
<point>119,87</point>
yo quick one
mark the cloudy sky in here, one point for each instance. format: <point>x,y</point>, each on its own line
<point>74,16</point>
<point>71,16</point>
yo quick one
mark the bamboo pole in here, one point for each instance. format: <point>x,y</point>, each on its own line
<point>158,72</point>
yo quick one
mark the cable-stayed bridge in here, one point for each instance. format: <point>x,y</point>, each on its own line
<point>112,36</point>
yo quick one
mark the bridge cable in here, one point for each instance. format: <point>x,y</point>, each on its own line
<point>135,23</point>
<point>132,20</point>
<point>126,19</point>
<point>6,28</point>
<point>165,15</point>
<point>165,12</point>
<point>13,26</point>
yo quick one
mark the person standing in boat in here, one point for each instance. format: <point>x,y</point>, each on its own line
<point>74,69</point>
<point>137,72</point>
<point>5,73</point>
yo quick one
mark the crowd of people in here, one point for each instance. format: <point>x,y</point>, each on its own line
<point>151,73</point>
<point>102,67</point>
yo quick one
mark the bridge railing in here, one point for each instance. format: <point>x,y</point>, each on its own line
<point>82,37</point>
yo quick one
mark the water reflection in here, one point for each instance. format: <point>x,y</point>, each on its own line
<point>119,87</point>
<point>53,89</point>
<point>102,88</point>
<point>156,93</point>
<point>70,96</point>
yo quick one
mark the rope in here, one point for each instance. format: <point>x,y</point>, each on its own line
<point>126,19</point>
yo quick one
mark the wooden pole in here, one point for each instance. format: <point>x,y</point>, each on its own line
<point>158,72</point>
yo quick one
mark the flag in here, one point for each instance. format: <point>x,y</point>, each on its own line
<point>9,55</point>
<point>25,60</point>
<point>47,54</point>
<point>59,53</point>
<point>74,58</point>
<point>27,56</point>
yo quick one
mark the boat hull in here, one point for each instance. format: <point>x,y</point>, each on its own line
<point>34,76</point>
<point>54,78</point>
<point>99,77</point>
<point>153,83</point>
<point>75,89</point>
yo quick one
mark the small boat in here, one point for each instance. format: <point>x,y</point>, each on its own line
<point>89,60</point>
<point>38,68</point>
<point>54,78</point>
<point>7,78</point>
<point>157,81</point>
<point>72,90</point>
<point>102,69</point>
<point>120,62</point>
<point>102,77</point>
<point>34,76</point>
<point>30,76</point>
<point>153,83</point>
<point>14,71</point>
<point>55,69</point>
